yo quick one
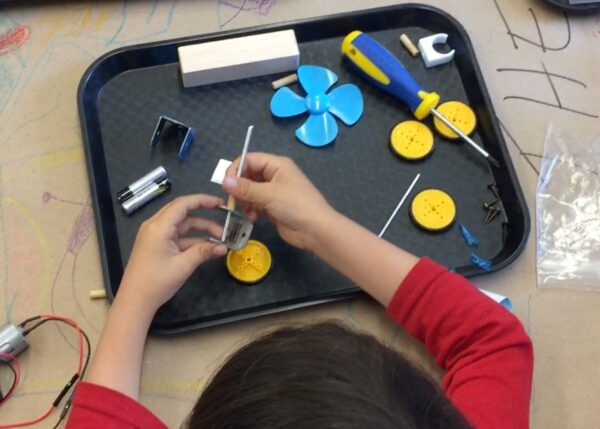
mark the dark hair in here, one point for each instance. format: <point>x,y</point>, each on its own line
<point>321,376</point>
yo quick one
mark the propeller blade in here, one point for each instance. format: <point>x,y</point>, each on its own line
<point>316,80</point>
<point>346,102</point>
<point>318,130</point>
<point>286,103</point>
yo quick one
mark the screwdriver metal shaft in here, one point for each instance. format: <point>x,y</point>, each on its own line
<point>465,137</point>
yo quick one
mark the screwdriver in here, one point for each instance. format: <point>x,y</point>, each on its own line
<point>380,67</point>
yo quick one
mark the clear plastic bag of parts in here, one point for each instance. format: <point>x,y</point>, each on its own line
<point>568,213</point>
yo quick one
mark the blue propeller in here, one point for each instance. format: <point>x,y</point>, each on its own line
<point>320,128</point>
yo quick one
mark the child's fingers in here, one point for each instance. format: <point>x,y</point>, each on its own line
<point>199,224</point>
<point>176,211</point>
<point>251,212</point>
<point>259,166</point>
<point>161,210</point>
<point>186,242</point>
<point>200,252</point>
<point>247,190</point>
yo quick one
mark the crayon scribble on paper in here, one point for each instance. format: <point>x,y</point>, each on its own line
<point>229,10</point>
<point>13,38</point>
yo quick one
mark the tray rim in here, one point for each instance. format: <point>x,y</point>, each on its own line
<point>576,8</point>
<point>109,274</point>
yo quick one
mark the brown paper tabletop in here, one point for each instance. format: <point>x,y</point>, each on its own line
<point>540,66</point>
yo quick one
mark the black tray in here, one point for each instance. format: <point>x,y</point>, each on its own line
<point>565,5</point>
<point>123,93</point>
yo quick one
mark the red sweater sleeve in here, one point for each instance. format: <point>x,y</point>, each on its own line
<point>96,407</point>
<point>487,356</point>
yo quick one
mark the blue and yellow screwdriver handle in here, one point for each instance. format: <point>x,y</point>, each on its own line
<point>385,71</point>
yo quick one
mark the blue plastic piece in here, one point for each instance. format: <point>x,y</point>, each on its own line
<point>315,79</point>
<point>320,129</point>
<point>484,264</point>
<point>469,238</point>
<point>286,103</point>
<point>187,143</point>
<point>346,103</point>
<point>506,303</point>
<point>401,84</point>
<point>318,103</point>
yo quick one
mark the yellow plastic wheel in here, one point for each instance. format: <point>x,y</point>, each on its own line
<point>460,115</point>
<point>250,264</point>
<point>412,140</point>
<point>433,210</point>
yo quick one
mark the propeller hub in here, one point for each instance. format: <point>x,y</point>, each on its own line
<point>318,103</point>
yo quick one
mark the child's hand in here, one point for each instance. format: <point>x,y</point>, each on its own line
<point>276,188</point>
<point>163,258</point>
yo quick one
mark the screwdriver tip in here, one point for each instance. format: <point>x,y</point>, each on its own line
<point>493,161</point>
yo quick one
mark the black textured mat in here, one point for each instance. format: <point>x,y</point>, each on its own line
<point>358,174</point>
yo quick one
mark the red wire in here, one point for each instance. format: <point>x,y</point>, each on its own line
<point>79,368</point>
<point>17,375</point>
<point>17,379</point>
<point>29,422</point>
<point>76,326</point>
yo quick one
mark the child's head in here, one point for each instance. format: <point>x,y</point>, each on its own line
<point>321,376</point>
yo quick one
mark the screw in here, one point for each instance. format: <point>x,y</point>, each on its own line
<point>494,190</point>
<point>487,217</point>
<point>487,206</point>
<point>492,213</point>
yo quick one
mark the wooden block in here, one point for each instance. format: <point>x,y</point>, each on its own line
<point>238,58</point>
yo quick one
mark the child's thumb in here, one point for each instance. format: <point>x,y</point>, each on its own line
<point>246,190</point>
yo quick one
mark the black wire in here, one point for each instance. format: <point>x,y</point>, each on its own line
<point>31,319</point>
<point>64,411</point>
<point>58,422</point>
<point>87,340</point>
<point>14,382</point>
<point>67,405</point>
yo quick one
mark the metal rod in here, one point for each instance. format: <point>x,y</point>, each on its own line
<point>231,198</point>
<point>245,150</point>
<point>465,137</point>
<point>399,206</point>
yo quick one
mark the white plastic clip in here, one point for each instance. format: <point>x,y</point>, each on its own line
<point>430,55</point>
